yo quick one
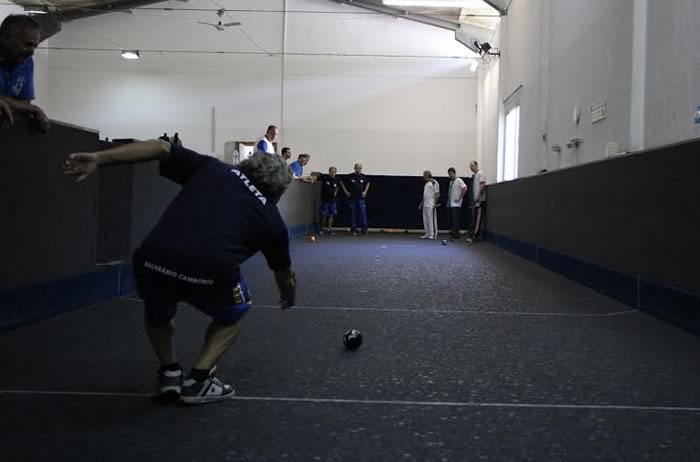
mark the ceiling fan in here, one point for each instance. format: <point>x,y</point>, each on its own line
<point>219,26</point>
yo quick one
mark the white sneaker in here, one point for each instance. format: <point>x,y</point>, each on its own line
<point>209,391</point>
<point>424,236</point>
<point>432,238</point>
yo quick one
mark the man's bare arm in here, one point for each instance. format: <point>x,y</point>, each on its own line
<point>83,165</point>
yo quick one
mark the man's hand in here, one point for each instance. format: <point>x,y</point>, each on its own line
<point>81,165</point>
<point>287,284</point>
<point>6,118</point>
<point>364,194</point>
<point>41,119</point>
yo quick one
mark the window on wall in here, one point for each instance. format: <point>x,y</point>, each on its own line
<point>510,144</point>
<point>510,137</point>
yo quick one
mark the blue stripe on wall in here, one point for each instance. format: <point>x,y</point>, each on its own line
<point>668,303</point>
<point>24,305</point>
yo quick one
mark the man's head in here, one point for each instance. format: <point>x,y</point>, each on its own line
<point>474,166</point>
<point>19,37</point>
<point>304,159</point>
<point>269,174</point>
<point>286,153</point>
<point>332,172</point>
<point>452,173</point>
<point>358,168</point>
<point>272,133</point>
<point>427,175</point>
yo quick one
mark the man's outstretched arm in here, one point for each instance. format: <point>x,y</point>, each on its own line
<point>83,165</point>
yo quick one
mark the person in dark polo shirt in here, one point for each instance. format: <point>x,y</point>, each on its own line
<point>19,37</point>
<point>356,187</point>
<point>222,216</point>
<point>329,194</point>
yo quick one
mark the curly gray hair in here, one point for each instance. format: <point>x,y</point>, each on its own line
<point>269,173</point>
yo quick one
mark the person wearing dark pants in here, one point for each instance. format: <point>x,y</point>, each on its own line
<point>356,187</point>
<point>478,203</point>
<point>222,216</point>
<point>329,193</point>
<point>455,196</point>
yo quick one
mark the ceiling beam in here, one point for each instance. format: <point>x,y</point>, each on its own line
<point>397,13</point>
<point>499,5</point>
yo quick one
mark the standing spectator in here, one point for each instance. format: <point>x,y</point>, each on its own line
<point>297,166</point>
<point>176,140</point>
<point>329,193</point>
<point>6,118</point>
<point>265,144</point>
<point>165,137</point>
<point>359,187</point>
<point>478,202</point>
<point>286,154</point>
<point>455,196</point>
<point>19,37</point>
<point>431,194</point>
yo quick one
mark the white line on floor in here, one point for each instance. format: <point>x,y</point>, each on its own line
<point>377,402</point>
<point>473,312</point>
<point>431,311</point>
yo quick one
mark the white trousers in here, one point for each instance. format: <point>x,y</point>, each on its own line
<point>430,221</point>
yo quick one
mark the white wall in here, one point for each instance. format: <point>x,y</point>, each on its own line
<point>640,56</point>
<point>396,115</point>
<point>566,53</point>
<point>673,71</point>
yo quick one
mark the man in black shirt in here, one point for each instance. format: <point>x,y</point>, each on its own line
<point>329,192</point>
<point>222,216</point>
<point>358,186</point>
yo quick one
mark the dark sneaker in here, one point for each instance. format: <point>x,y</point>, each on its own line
<point>170,384</point>
<point>209,391</point>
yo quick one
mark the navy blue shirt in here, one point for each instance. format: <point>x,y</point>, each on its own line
<point>329,187</point>
<point>216,222</point>
<point>17,82</point>
<point>356,184</point>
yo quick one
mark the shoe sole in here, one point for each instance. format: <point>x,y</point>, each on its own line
<point>196,400</point>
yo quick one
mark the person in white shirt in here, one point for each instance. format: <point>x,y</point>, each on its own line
<point>455,196</point>
<point>265,144</point>
<point>478,199</point>
<point>431,194</point>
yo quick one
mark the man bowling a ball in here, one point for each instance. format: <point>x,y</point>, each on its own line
<point>222,216</point>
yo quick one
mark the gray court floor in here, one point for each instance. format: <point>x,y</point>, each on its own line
<point>470,354</point>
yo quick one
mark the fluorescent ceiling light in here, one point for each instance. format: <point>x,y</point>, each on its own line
<point>35,10</point>
<point>474,66</point>
<point>130,54</point>
<point>437,3</point>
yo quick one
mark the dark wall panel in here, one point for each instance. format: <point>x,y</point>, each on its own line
<point>48,224</point>
<point>393,201</point>
<point>636,214</point>
<point>114,215</point>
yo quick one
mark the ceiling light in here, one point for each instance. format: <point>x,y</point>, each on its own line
<point>130,54</point>
<point>436,3</point>
<point>32,10</point>
<point>474,66</point>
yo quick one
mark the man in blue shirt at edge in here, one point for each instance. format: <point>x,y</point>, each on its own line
<point>19,37</point>
<point>298,165</point>
<point>222,216</point>
<point>359,187</point>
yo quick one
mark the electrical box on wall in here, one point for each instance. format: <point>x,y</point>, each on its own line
<point>599,112</point>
